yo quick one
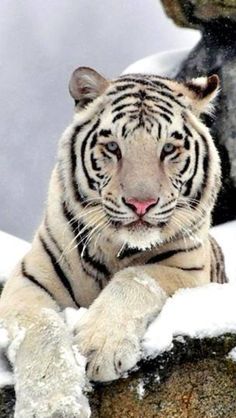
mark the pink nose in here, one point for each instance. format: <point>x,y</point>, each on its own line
<point>140,206</point>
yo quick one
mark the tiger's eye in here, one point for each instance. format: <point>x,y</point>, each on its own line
<point>112,146</point>
<point>169,148</point>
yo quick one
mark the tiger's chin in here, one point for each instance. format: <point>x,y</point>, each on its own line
<point>144,237</point>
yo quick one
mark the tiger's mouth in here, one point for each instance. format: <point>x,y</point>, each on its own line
<point>139,225</point>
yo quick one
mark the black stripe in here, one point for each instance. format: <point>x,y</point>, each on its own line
<point>113,210</point>
<point>177,135</point>
<point>166,211</point>
<point>78,195</point>
<point>94,141</point>
<point>168,203</point>
<point>153,112</point>
<point>95,167</point>
<point>122,97</point>
<point>164,110</point>
<point>170,96</point>
<point>120,88</point>
<point>189,183</point>
<point>186,143</point>
<point>124,131</point>
<point>118,116</point>
<point>159,130</point>
<point>91,182</point>
<point>187,131</point>
<point>106,155</point>
<point>52,238</point>
<point>59,272</point>
<point>163,256</point>
<point>128,252</point>
<point>186,165</point>
<point>175,156</point>
<point>203,185</point>
<point>121,107</point>
<point>105,132</point>
<point>76,228</point>
<point>97,265</point>
<point>111,200</point>
<point>34,280</point>
<point>205,163</point>
<point>160,99</point>
<point>190,268</point>
<point>144,81</point>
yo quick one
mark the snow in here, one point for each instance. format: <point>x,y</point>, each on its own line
<point>72,316</point>
<point>15,344</point>
<point>140,389</point>
<point>6,376</point>
<point>207,311</point>
<point>232,354</point>
<point>165,63</point>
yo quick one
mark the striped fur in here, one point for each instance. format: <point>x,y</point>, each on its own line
<point>138,136</point>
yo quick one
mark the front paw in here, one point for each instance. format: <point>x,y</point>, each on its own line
<point>58,406</point>
<point>110,344</point>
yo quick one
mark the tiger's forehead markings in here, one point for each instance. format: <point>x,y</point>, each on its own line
<point>177,135</point>
<point>151,84</point>
<point>105,132</point>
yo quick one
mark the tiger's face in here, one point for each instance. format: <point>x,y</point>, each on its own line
<point>143,157</point>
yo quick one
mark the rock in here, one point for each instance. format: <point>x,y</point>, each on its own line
<point>195,13</point>
<point>7,401</point>
<point>195,379</point>
<point>215,53</point>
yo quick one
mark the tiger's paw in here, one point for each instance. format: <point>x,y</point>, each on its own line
<point>55,407</point>
<point>111,345</point>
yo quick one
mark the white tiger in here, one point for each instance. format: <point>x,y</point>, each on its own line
<point>126,224</point>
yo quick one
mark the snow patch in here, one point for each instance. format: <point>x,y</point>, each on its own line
<point>15,344</point>
<point>206,311</point>
<point>140,389</point>
<point>72,316</point>
<point>6,375</point>
<point>232,354</point>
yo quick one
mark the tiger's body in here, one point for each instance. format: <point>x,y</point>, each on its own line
<point>126,225</point>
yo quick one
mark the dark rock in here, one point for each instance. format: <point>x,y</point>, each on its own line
<point>195,379</point>
<point>215,53</point>
<point>195,13</point>
<point>7,401</point>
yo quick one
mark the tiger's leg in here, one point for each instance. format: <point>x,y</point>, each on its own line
<point>109,334</point>
<point>48,380</point>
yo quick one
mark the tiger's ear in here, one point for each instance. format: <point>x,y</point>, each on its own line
<point>86,85</point>
<point>202,91</point>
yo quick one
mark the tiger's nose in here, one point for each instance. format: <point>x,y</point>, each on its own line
<point>140,207</point>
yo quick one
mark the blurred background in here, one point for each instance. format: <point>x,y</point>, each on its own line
<point>41,43</point>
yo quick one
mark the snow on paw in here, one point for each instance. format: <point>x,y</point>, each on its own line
<point>71,408</point>
<point>58,407</point>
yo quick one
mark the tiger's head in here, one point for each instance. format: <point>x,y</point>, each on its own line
<point>142,163</point>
